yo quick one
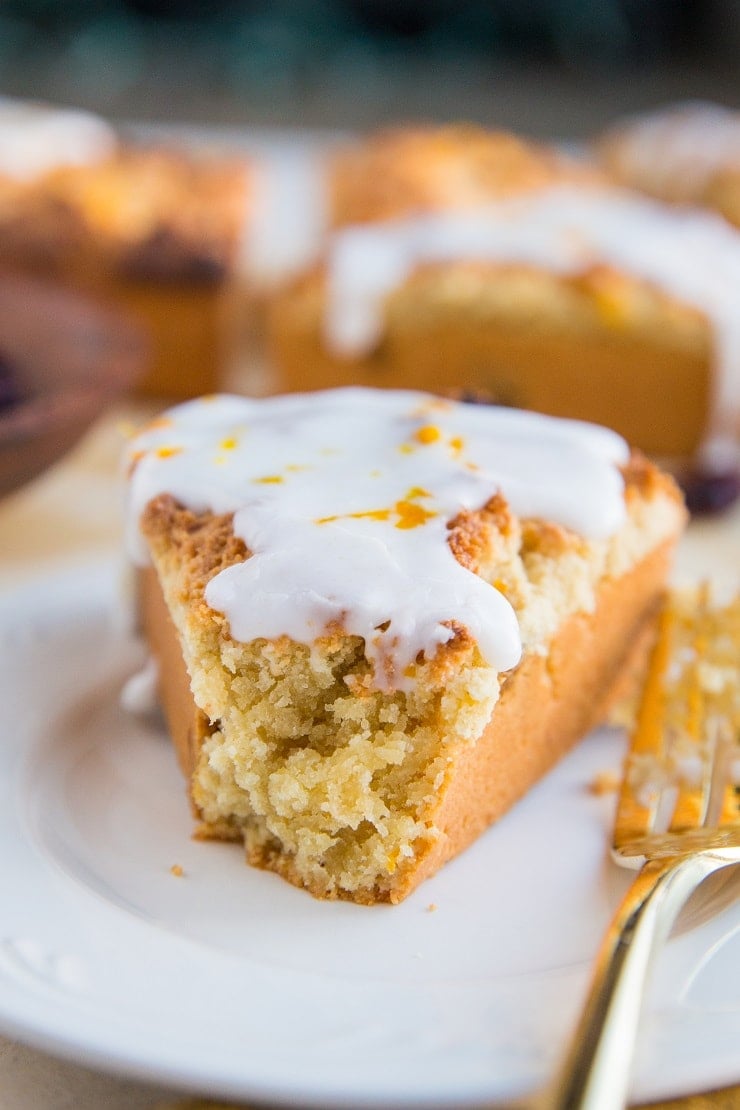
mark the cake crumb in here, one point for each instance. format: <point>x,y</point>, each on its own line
<point>605,782</point>
<point>431,908</point>
<point>177,871</point>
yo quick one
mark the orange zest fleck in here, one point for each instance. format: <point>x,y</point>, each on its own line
<point>371,514</point>
<point>456,444</point>
<point>430,433</point>
<point>167,452</point>
<point>408,513</point>
<point>229,444</point>
<point>411,515</point>
<point>270,480</point>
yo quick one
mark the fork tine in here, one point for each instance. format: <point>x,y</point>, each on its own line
<point>724,806</point>
<point>637,811</point>
<point>692,806</point>
<point>710,718</point>
<point>728,716</point>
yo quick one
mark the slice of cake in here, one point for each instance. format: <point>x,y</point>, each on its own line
<point>380,617</point>
<point>151,229</point>
<point>556,292</point>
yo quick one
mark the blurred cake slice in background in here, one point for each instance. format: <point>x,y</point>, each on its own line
<point>685,154</point>
<point>153,230</point>
<point>560,293</point>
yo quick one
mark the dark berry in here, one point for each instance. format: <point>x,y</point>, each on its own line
<point>474,397</point>
<point>708,491</point>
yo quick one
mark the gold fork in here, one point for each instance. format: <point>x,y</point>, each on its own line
<point>678,819</point>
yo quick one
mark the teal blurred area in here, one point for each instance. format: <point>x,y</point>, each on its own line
<point>545,67</point>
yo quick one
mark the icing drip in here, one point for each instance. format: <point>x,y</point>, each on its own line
<point>344,498</point>
<point>139,693</point>
<point>691,255</point>
<point>285,221</point>
<point>36,138</point>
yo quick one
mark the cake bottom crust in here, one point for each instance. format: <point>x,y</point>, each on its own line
<point>547,704</point>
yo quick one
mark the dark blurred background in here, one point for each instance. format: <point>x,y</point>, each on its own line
<point>548,67</point>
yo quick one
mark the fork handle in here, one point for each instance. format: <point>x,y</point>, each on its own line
<point>596,1072</point>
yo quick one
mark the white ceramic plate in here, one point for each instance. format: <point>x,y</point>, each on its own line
<point>229,980</point>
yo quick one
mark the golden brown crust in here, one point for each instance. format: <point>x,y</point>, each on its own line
<point>401,171</point>
<point>205,543</point>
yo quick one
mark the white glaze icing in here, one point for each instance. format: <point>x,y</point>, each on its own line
<point>344,498</point>
<point>287,214</point>
<point>691,255</point>
<point>139,693</point>
<point>678,149</point>
<point>36,138</point>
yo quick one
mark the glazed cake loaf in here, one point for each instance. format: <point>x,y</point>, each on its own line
<point>566,295</point>
<point>380,617</point>
<point>155,231</point>
<point>685,154</point>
